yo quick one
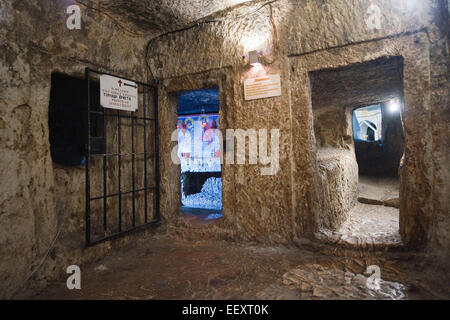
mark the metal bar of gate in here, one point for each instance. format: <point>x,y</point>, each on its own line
<point>133,173</point>
<point>105,201</point>
<point>145,157</point>
<point>122,193</point>
<point>155,153</point>
<point>157,212</point>
<point>88,152</point>
<point>123,116</point>
<point>124,154</point>
<point>119,161</point>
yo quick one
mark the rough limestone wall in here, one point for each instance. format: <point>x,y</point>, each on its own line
<point>302,36</point>
<point>440,119</point>
<point>295,38</point>
<point>337,168</point>
<point>331,128</point>
<point>34,192</point>
<point>338,174</point>
<point>255,206</point>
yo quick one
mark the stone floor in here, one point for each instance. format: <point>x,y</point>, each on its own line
<point>196,217</point>
<point>169,268</point>
<point>374,224</point>
<point>379,190</point>
<point>313,281</point>
<point>374,220</point>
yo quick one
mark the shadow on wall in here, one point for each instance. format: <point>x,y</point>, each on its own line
<point>192,182</point>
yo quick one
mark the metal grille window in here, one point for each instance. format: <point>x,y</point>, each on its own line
<point>122,164</point>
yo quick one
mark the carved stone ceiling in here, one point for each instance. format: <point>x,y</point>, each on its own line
<point>161,15</point>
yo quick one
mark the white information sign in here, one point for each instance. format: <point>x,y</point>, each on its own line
<point>117,93</point>
<point>262,87</point>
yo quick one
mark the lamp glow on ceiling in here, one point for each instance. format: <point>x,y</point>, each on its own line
<point>394,106</point>
<point>258,40</point>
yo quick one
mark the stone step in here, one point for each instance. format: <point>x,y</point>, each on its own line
<point>392,202</point>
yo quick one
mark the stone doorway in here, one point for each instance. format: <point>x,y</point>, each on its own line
<point>379,146</point>
<point>199,147</point>
<point>360,143</point>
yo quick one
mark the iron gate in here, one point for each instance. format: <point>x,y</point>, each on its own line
<point>114,208</point>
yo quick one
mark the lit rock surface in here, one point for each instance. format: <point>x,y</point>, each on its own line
<point>295,39</point>
<point>317,282</point>
<point>209,198</point>
<point>162,15</point>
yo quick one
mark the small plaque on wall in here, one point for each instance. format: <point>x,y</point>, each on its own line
<point>116,93</point>
<point>262,87</point>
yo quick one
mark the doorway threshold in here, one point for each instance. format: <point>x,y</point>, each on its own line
<point>200,217</point>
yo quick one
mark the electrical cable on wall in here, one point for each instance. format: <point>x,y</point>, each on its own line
<point>43,260</point>
<point>201,22</point>
<point>193,25</point>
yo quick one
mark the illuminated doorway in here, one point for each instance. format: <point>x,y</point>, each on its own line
<point>199,142</point>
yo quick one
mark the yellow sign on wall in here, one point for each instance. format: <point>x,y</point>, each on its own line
<point>262,87</point>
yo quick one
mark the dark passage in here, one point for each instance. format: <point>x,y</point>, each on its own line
<point>67,119</point>
<point>379,139</point>
<point>192,182</point>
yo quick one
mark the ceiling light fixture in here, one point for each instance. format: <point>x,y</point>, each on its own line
<point>394,106</point>
<point>253,58</point>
